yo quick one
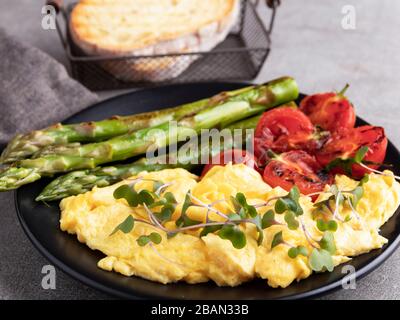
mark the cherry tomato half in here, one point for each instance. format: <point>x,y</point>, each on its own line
<point>297,168</point>
<point>235,156</point>
<point>280,130</point>
<point>330,111</point>
<point>346,143</point>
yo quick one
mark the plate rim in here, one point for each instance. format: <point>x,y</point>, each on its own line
<point>388,250</point>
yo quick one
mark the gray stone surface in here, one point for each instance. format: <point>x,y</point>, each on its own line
<point>309,44</point>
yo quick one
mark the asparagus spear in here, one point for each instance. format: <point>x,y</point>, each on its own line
<point>123,147</point>
<point>69,148</point>
<point>81,181</point>
<point>23,146</point>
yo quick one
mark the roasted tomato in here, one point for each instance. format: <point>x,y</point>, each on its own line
<point>280,130</point>
<point>330,111</point>
<point>345,144</point>
<point>297,168</point>
<point>235,156</point>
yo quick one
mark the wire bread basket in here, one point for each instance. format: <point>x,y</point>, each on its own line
<point>239,57</point>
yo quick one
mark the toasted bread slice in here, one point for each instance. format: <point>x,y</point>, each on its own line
<point>150,27</point>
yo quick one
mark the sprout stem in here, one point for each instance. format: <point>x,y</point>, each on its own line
<point>154,219</point>
<point>336,211</point>
<point>264,204</point>
<point>200,225</point>
<point>210,206</point>
<point>158,191</point>
<point>355,213</point>
<point>379,172</point>
<point>308,236</point>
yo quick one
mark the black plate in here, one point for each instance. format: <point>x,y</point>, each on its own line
<point>41,222</point>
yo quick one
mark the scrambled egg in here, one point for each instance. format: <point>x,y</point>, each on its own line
<point>186,257</point>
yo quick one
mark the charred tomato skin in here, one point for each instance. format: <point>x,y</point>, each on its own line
<point>330,111</point>
<point>281,130</point>
<point>297,168</point>
<point>309,103</point>
<point>346,143</point>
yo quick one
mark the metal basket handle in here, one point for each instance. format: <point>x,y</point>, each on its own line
<point>272,4</point>
<point>58,5</point>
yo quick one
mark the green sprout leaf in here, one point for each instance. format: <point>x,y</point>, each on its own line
<point>187,203</point>
<point>153,237</point>
<point>236,205</point>
<point>132,197</point>
<point>126,226</point>
<point>299,250</point>
<point>280,206</point>
<point>126,192</point>
<point>357,194</point>
<point>169,196</point>
<point>291,220</point>
<point>360,154</point>
<point>321,225</point>
<point>347,219</point>
<point>158,203</point>
<point>330,225</point>
<point>243,208</point>
<point>145,197</point>
<point>268,219</point>
<point>166,212</point>
<point>143,240</point>
<point>168,204</point>
<point>258,223</point>
<point>328,242</point>
<point>290,202</point>
<point>234,235</point>
<point>347,164</point>
<point>364,180</point>
<point>303,251</point>
<point>320,260</point>
<point>241,199</point>
<point>293,252</point>
<point>294,194</point>
<point>277,240</point>
<point>157,185</point>
<point>210,229</point>
<point>184,220</point>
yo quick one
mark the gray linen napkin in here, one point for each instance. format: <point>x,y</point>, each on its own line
<point>35,90</point>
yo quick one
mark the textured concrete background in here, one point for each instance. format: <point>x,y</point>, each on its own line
<point>310,44</point>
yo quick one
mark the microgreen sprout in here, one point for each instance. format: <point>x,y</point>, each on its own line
<point>296,251</point>
<point>358,159</point>
<point>379,172</point>
<point>339,198</point>
<point>153,237</point>
<point>347,164</point>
